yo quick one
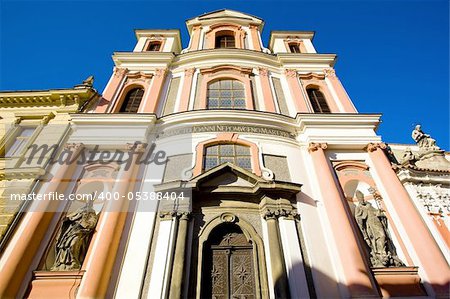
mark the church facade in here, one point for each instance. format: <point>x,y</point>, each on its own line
<point>228,169</point>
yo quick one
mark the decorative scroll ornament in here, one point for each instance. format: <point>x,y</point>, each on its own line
<point>73,238</point>
<point>374,228</point>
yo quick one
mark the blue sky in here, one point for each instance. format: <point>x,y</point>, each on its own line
<point>393,56</point>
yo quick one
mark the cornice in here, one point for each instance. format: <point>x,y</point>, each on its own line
<point>339,130</point>
<point>112,119</point>
<point>43,98</point>
<point>137,61</point>
<point>288,59</point>
<point>211,56</point>
<point>238,117</point>
<point>308,120</point>
<point>21,173</point>
<point>142,60</point>
<point>422,176</point>
<point>293,34</point>
<point>151,32</point>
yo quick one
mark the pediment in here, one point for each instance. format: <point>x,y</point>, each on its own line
<point>225,176</point>
<point>228,13</point>
<point>228,178</point>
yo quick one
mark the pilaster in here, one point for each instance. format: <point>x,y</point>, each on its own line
<point>427,251</point>
<point>355,269</point>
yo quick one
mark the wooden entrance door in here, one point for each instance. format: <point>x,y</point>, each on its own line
<point>229,266</point>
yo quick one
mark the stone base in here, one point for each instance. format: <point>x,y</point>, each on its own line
<point>398,282</point>
<point>48,284</point>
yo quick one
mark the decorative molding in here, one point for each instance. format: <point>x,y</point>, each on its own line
<point>169,215</point>
<point>189,72</point>
<point>74,146</point>
<point>263,71</point>
<point>160,72</point>
<point>119,71</point>
<point>226,67</point>
<point>329,72</point>
<point>371,147</point>
<point>228,217</point>
<point>290,73</point>
<point>312,147</point>
<point>274,213</point>
<point>311,76</point>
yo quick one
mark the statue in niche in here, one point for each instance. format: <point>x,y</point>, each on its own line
<point>373,225</point>
<point>73,238</point>
<point>424,141</point>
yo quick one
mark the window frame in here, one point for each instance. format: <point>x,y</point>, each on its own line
<point>124,102</point>
<point>318,104</point>
<point>225,35</point>
<point>296,46</point>
<point>232,91</point>
<point>25,141</point>
<point>235,155</point>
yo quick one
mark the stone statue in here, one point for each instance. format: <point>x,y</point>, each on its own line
<point>409,157</point>
<point>73,238</point>
<point>373,225</point>
<point>424,141</point>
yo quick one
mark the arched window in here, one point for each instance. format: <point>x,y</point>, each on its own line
<point>294,48</point>
<point>318,101</point>
<point>132,100</point>
<point>225,39</point>
<point>237,154</point>
<point>225,94</point>
<point>154,46</point>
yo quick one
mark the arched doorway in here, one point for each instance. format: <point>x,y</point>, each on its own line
<point>228,267</point>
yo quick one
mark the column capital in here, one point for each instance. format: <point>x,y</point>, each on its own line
<point>189,72</point>
<point>160,72</point>
<point>136,147</point>
<point>274,213</point>
<point>313,146</point>
<point>169,215</point>
<point>120,71</point>
<point>371,147</point>
<point>263,71</point>
<point>290,73</point>
<point>73,146</point>
<point>329,72</point>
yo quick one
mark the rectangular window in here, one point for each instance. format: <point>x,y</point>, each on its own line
<point>16,147</point>
<point>222,153</point>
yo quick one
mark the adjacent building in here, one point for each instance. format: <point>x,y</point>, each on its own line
<point>227,169</point>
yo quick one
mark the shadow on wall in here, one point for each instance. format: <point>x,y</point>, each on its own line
<point>330,288</point>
